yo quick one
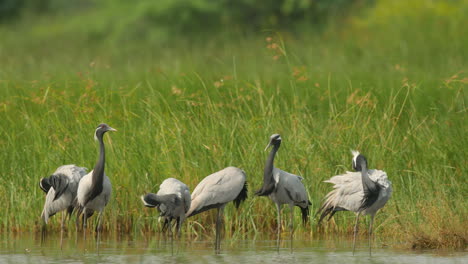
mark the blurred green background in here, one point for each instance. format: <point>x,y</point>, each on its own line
<point>194,86</point>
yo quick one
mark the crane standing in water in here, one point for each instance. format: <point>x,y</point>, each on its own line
<point>215,191</point>
<point>283,188</point>
<point>94,189</point>
<point>363,192</point>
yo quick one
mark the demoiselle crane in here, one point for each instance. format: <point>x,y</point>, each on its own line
<point>172,201</point>
<point>363,192</point>
<point>94,189</point>
<point>215,191</point>
<point>61,189</point>
<point>283,188</point>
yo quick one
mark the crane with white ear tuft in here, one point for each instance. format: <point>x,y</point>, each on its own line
<point>283,188</point>
<point>363,192</point>
<point>94,189</point>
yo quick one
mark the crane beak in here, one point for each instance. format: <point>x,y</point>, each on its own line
<point>111,129</point>
<point>269,144</point>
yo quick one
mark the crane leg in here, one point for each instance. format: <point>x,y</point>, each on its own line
<point>278,234</point>
<point>61,230</point>
<point>99,224</point>
<point>179,225</point>
<point>179,221</point>
<point>355,231</point>
<point>218,230</point>
<point>171,235</point>
<point>370,234</point>
<point>85,224</point>
<point>99,229</point>
<point>291,225</point>
<point>43,233</point>
<point>77,221</point>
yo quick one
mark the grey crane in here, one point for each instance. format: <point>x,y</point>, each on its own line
<point>215,191</point>
<point>283,188</point>
<point>363,192</point>
<point>94,189</point>
<point>61,188</point>
<point>172,201</point>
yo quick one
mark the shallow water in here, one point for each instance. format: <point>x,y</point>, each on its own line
<point>30,249</point>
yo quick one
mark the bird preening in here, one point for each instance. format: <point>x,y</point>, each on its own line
<point>61,188</point>
<point>363,192</point>
<point>172,201</point>
<point>72,189</point>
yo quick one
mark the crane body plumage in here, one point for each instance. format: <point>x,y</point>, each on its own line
<point>290,190</point>
<point>348,193</point>
<point>100,200</point>
<point>172,201</point>
<point>215,191</point>
<point>283,187</point>
<point>61,188</point>
<point>364,192</point>
<point>218,189</point>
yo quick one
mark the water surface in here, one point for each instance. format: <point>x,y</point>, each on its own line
<point>31,249</point>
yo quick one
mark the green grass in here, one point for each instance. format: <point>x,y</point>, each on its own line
<point>397,94</point>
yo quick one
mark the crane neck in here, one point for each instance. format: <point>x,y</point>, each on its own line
<point>268,171</point>
<point>368,185</point>
<point>370,188</point>
<point>97,178</point>
<point>268,181</point>
<point>98,171</point>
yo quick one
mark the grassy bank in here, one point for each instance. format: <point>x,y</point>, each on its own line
<point>185,110</point>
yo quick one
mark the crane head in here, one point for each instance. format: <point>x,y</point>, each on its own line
<point>101,129</point>
<point>358,160</point>
<point>275,139</point>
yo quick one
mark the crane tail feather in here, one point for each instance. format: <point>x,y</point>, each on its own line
<point>329,207</point>
<point>150,200</point>
<point>241,197</point>
<point>305,214</point>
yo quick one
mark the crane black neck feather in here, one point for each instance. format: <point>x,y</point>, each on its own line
<point>370,188</point>
<point>268,181</point>
<point>97,179</point>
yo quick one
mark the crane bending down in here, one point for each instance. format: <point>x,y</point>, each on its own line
<point>61,188</point>
<point>172,201</point>
<point>283,187</point>
<point>215,191</point>
<point>363,192</point>
<point>94,189</point>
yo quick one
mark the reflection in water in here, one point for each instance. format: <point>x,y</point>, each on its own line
<point>27,248</point>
